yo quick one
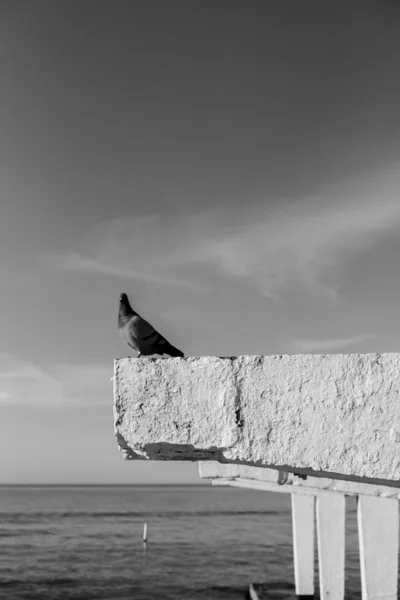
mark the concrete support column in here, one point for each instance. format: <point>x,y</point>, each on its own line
<point>331,530</point>
<point>378,527</point>
<point>303,516</point>
<point>378,531</point>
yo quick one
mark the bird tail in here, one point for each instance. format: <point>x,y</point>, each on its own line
<point>172,351</point>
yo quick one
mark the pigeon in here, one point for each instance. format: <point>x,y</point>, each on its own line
<point>139,334</point>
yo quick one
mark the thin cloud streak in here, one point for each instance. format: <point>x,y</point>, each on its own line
<point>297,246</point>
<point>308,345</point>
<point>75,262</point>
<point>25,383</point>
<point>29,385</point>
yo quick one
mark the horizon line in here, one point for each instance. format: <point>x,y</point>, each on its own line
<point>101,484</point>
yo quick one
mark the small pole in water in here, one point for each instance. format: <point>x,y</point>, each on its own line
<point>145,536</point>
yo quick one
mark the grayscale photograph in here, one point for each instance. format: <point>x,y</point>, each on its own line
<point>199,270</point>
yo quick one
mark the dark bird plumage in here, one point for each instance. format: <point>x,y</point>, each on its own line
<point>139,334</point>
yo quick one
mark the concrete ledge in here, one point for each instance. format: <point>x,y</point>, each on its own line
<point>334,416</point>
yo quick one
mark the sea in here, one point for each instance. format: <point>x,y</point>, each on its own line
<point>203,543</point>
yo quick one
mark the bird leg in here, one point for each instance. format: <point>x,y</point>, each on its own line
<point>139,355</point>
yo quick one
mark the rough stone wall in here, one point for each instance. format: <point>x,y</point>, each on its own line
<point>317,414</point>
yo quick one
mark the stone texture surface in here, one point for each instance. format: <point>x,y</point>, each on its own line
<point>316,414</point>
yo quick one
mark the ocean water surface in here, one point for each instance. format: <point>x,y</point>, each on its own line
<point>204,542</point>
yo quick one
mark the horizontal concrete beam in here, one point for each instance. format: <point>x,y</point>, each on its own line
<point>273,480</point>
<point>334,416</point>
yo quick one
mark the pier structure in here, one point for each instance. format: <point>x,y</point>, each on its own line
<point>320,427</point>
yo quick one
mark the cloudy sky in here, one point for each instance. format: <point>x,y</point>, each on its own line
<point>234,166</point>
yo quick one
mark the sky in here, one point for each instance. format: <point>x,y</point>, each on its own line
<point>233,166</point>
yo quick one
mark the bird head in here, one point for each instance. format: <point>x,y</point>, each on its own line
<point>125,309</point>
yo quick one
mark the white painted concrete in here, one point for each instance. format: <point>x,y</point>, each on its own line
<point>378,530</point>
<point>303,512</point>
<point>284,482</point>
<point>331,536</point>
<point>264,486</point>
<point>378,527</point>
<point>328,415</point>
<point>334,418</point>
